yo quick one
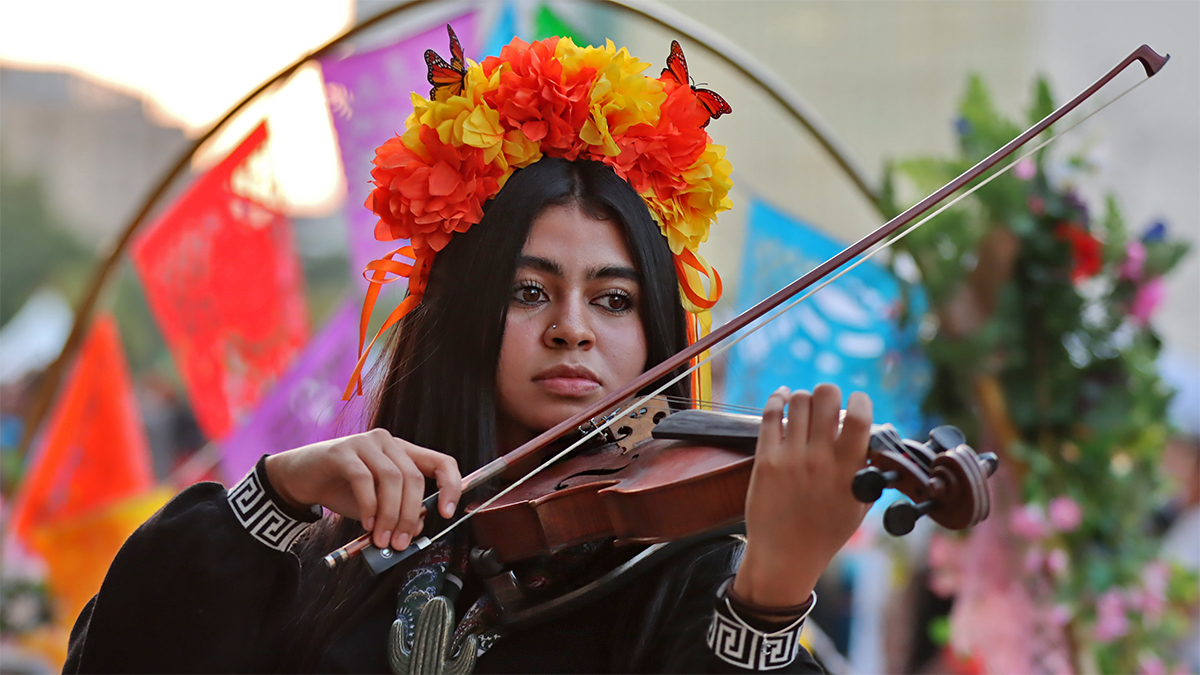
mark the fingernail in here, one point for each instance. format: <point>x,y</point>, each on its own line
<point>449,510</point>
<point>369,523</point>
<point>385,537</point>
<point>402,541</point>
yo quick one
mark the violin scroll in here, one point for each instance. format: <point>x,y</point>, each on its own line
<point>944,478</point>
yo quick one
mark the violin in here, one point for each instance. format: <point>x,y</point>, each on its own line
<point>576,495</point>
<point>689,475</point>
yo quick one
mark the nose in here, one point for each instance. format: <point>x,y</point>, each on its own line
<point>570,328</point>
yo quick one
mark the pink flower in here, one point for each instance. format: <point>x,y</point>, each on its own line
<point>945,562</point>
<point>1149,664</point>
<point>1135,260</point>
<point>1147,299</point>
<point>1037,205</point>
<point>1059,615</point>
<point>1029,522</point>
<point>1058,561</point>
<point>1111,621</point>
<point>1155,576</point>
<point>1025,169</point>
<point>1033,561</point>
<point>1151,599</point>
<point>1065,514</point>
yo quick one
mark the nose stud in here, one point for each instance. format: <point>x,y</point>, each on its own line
<point>554,326</point>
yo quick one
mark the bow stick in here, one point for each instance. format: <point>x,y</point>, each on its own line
<point>380,559</point>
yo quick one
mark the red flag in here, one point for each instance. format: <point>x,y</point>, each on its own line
<point>95,452</point>
<point>222,278</point>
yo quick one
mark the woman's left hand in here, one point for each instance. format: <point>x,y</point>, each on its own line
<point>799,509</point>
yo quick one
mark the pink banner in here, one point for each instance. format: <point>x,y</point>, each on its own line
<point>305,406</point>
<point>368,94</point>
<point>224,283</point>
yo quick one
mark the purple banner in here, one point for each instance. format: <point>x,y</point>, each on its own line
<point>305,406</point>
<point>368,95</point>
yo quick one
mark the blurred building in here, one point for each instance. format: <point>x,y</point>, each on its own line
<point>94,148</point>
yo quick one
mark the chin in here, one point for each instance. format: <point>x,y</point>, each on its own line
<point>557,410</point>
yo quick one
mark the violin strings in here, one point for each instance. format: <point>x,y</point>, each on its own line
<point>778,313</point>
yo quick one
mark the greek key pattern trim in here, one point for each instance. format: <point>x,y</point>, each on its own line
<point>737,643</point>
<point>261,517</point>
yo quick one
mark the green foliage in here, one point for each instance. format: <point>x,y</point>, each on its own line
<point>35,247</point>
<point>1065,335</point>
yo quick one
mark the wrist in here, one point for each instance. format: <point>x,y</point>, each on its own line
<point>274,467</point>
<point>761,582</point>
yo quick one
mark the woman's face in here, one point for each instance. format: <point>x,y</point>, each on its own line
<point>573,332</point>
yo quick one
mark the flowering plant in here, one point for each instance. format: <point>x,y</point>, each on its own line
<point>1039,336</point>
<point>548,98</point>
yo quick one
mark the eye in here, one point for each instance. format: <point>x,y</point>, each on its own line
<point>616,301</point>
<point>529,293</point>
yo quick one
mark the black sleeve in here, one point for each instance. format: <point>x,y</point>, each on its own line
<point>679,605</point>
<point>192,590</point>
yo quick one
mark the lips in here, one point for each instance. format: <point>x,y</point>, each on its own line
<point>568,380</point>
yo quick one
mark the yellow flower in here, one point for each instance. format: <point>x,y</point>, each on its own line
<point>686,218</point>
<point>595,132</point>
<point>481,128</point>
<point>519,151</point>
<point>621,96</point>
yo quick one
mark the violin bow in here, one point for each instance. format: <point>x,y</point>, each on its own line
<point>380,559</point>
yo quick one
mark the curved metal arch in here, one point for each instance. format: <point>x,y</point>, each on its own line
<point>736,57</point>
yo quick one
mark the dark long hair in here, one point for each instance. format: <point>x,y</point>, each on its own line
<point>438,385</point>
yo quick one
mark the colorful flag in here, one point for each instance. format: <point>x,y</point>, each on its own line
<point>306,405</point>
<point>848,333</point>
<point>95,451</point>
<point>90,483</point>
<point>368,95</point>
<point>224,283</point>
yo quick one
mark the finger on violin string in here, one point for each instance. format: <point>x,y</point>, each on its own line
<point>770,433</point>
<point>856,429</point>
<point>826,409</point>
<point>798,420</point>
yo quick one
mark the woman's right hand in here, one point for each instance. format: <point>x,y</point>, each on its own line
<point>373,477</point>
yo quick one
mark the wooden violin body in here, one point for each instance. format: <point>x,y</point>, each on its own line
<point>688,473</point>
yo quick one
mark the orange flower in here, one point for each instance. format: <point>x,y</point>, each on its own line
<point>427,193</point>
<point>535,96</point>
<point>655,158</point>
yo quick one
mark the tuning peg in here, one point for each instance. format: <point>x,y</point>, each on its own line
<point>900,518</point>
<point>945,437</point>
<point>870,482</point>
<point>989,461</point>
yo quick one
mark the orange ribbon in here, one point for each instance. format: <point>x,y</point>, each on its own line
<point>689,267</point>
<point>379,270</point>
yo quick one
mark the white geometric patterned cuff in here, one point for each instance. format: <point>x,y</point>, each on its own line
<point>264,514</point>
<point>737,643</point>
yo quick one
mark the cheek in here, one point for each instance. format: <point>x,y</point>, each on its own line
<point>515,352</point>
<point>627,352</point>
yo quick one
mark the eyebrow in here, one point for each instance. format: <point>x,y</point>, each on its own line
<point>603,272</point>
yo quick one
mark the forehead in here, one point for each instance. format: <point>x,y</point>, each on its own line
<point>567,235</point>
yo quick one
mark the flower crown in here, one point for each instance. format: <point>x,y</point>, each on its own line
<point>548,98</point>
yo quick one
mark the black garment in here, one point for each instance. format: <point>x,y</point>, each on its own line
<point>193,591</point>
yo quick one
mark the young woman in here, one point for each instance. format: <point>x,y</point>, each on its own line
<point>564,290</point>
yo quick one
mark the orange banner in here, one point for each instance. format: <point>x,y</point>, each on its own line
<point>94,451</point>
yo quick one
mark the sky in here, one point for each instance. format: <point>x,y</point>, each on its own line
<point>190,62</point>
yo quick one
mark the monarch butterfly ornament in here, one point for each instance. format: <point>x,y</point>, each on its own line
<point>678,69</point>
<point>449,76</point>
